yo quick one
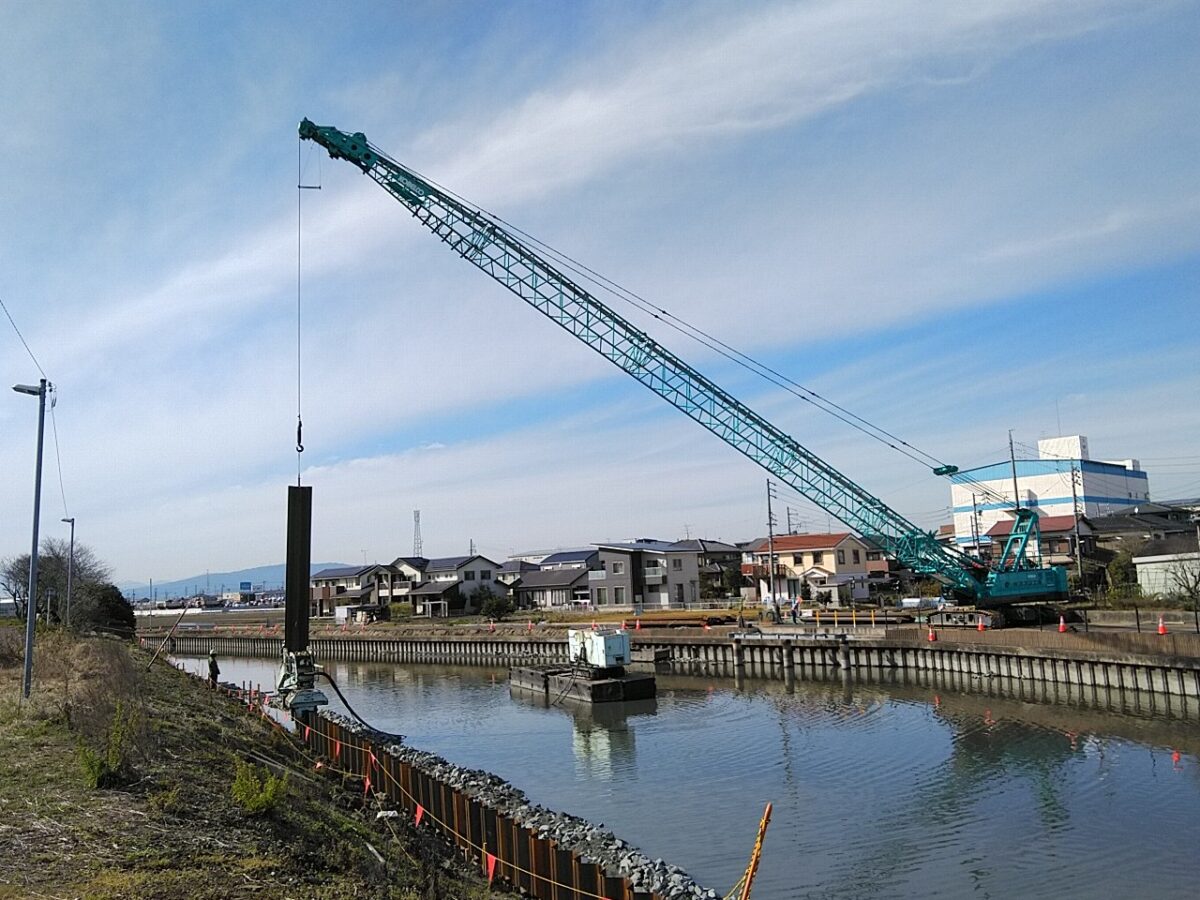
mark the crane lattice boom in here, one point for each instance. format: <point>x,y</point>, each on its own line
<point>486,243</point>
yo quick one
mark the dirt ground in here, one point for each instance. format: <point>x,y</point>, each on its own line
<point>168,825</point>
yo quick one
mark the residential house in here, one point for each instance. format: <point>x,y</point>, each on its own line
<point>646,573</point>
<point>560,588</point>
<point>513,570</point>
<point>455,580</point>
<point>714,560</point>
<point>1057,542</point>
<point>351,586</point>
<point>586,558</point>
<point>835,566</point>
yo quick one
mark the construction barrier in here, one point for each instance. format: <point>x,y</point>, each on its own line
<point>502,847</point>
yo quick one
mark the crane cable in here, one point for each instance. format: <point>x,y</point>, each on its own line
<point>301,187</point>
<point>752,365</point>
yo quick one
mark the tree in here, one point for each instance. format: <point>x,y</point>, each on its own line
<point>1121,570</point>
<point>102,607</point>
<point>805,591</point>
<point>1184,579</point>
<point>53,562</point>
<point>491,606</point>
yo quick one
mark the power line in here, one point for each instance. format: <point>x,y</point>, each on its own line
<point>58,456</point>
<point>22,338</point>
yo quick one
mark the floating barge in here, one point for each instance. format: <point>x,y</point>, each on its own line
<point>593,673</point>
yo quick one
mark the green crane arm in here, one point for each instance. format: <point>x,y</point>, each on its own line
<point>487,244</point>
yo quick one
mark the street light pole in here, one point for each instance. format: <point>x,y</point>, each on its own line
<point>70,568</point>
<point>31,603</point>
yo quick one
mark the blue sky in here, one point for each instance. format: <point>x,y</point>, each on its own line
<point>954,219</point>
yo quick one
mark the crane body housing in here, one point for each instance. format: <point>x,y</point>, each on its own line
<point>486,243</point>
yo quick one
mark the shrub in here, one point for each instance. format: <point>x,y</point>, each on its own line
<point>112,767</point>
<point>254,794</point>
<point>493,607</point>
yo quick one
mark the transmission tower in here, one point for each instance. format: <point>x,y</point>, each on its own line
<point>418,550</point>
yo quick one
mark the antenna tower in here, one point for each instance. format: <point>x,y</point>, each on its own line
<point>418,550</point>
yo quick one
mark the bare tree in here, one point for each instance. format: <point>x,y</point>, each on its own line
<point>53,561</point>
<point>1184,578</point>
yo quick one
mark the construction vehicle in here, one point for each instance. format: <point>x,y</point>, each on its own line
<point>518,264</point>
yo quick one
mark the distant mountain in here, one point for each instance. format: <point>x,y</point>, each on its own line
<point>261,577</point>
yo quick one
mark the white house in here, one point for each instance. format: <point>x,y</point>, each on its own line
<point>1169,567</point>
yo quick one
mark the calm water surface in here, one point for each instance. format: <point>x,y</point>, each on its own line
<point>878,790</point>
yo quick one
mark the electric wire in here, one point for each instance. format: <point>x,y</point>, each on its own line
<point>4,306</point>
<point>53,402</point>
<point>58,459</point>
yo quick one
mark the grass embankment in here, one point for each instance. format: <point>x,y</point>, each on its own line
<point>166,822</point>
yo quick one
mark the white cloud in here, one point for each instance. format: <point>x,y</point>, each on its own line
<point>824,168</point>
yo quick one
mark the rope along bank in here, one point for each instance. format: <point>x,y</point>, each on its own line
<point>527,847</point>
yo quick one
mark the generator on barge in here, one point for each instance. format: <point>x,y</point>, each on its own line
<point>594,671</point>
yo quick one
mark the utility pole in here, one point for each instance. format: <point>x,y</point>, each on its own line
<point>1075,508</point>
<point>70,568</point>
<point>1012,456</point>
<point>975,524</point>
<point>472,551</point>
<point>31,600</point>
<point>771,545</point>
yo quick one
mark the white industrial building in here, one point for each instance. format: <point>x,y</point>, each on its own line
<point>1062,481</point>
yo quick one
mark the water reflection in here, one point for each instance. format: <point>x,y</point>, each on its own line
<point>885,784</point>
<point>604,741</point>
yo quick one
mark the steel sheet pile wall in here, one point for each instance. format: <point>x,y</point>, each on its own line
<point>546,854</point>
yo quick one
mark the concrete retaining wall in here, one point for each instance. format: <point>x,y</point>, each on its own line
<point>1119,662</point>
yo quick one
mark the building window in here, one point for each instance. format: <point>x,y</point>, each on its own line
<point>818,557</point>
<point>618,595</point>
<point>468,575</point>
<point>797,560</point>
<point>873,556</point>
<point>486,574</point>
<point>856,556</point>
<point>618,568</point>
<point>677,565</point>
<point>601,596</point>
<point>841,557</point>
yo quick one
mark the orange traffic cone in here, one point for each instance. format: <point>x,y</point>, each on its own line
<point>932,635</point>
<point>706,625</point>
<point>593,624</point>
<point>531,625</point>
<point>623,625</point>
<point>1162,626</point>
<point>637,624</point>
<point>1062,625</point>
<point>491,625</point>
<point>979,626</point>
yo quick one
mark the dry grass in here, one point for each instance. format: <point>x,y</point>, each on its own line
<point>174,829</point>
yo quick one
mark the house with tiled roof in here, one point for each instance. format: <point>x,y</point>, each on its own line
<point>1057,544</point>
<point>455,581</point>
<point>561,588</point>
<point>835,566</point>
<point>367,588</point>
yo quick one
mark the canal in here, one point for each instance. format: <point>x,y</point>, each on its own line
<point>879,790</point>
